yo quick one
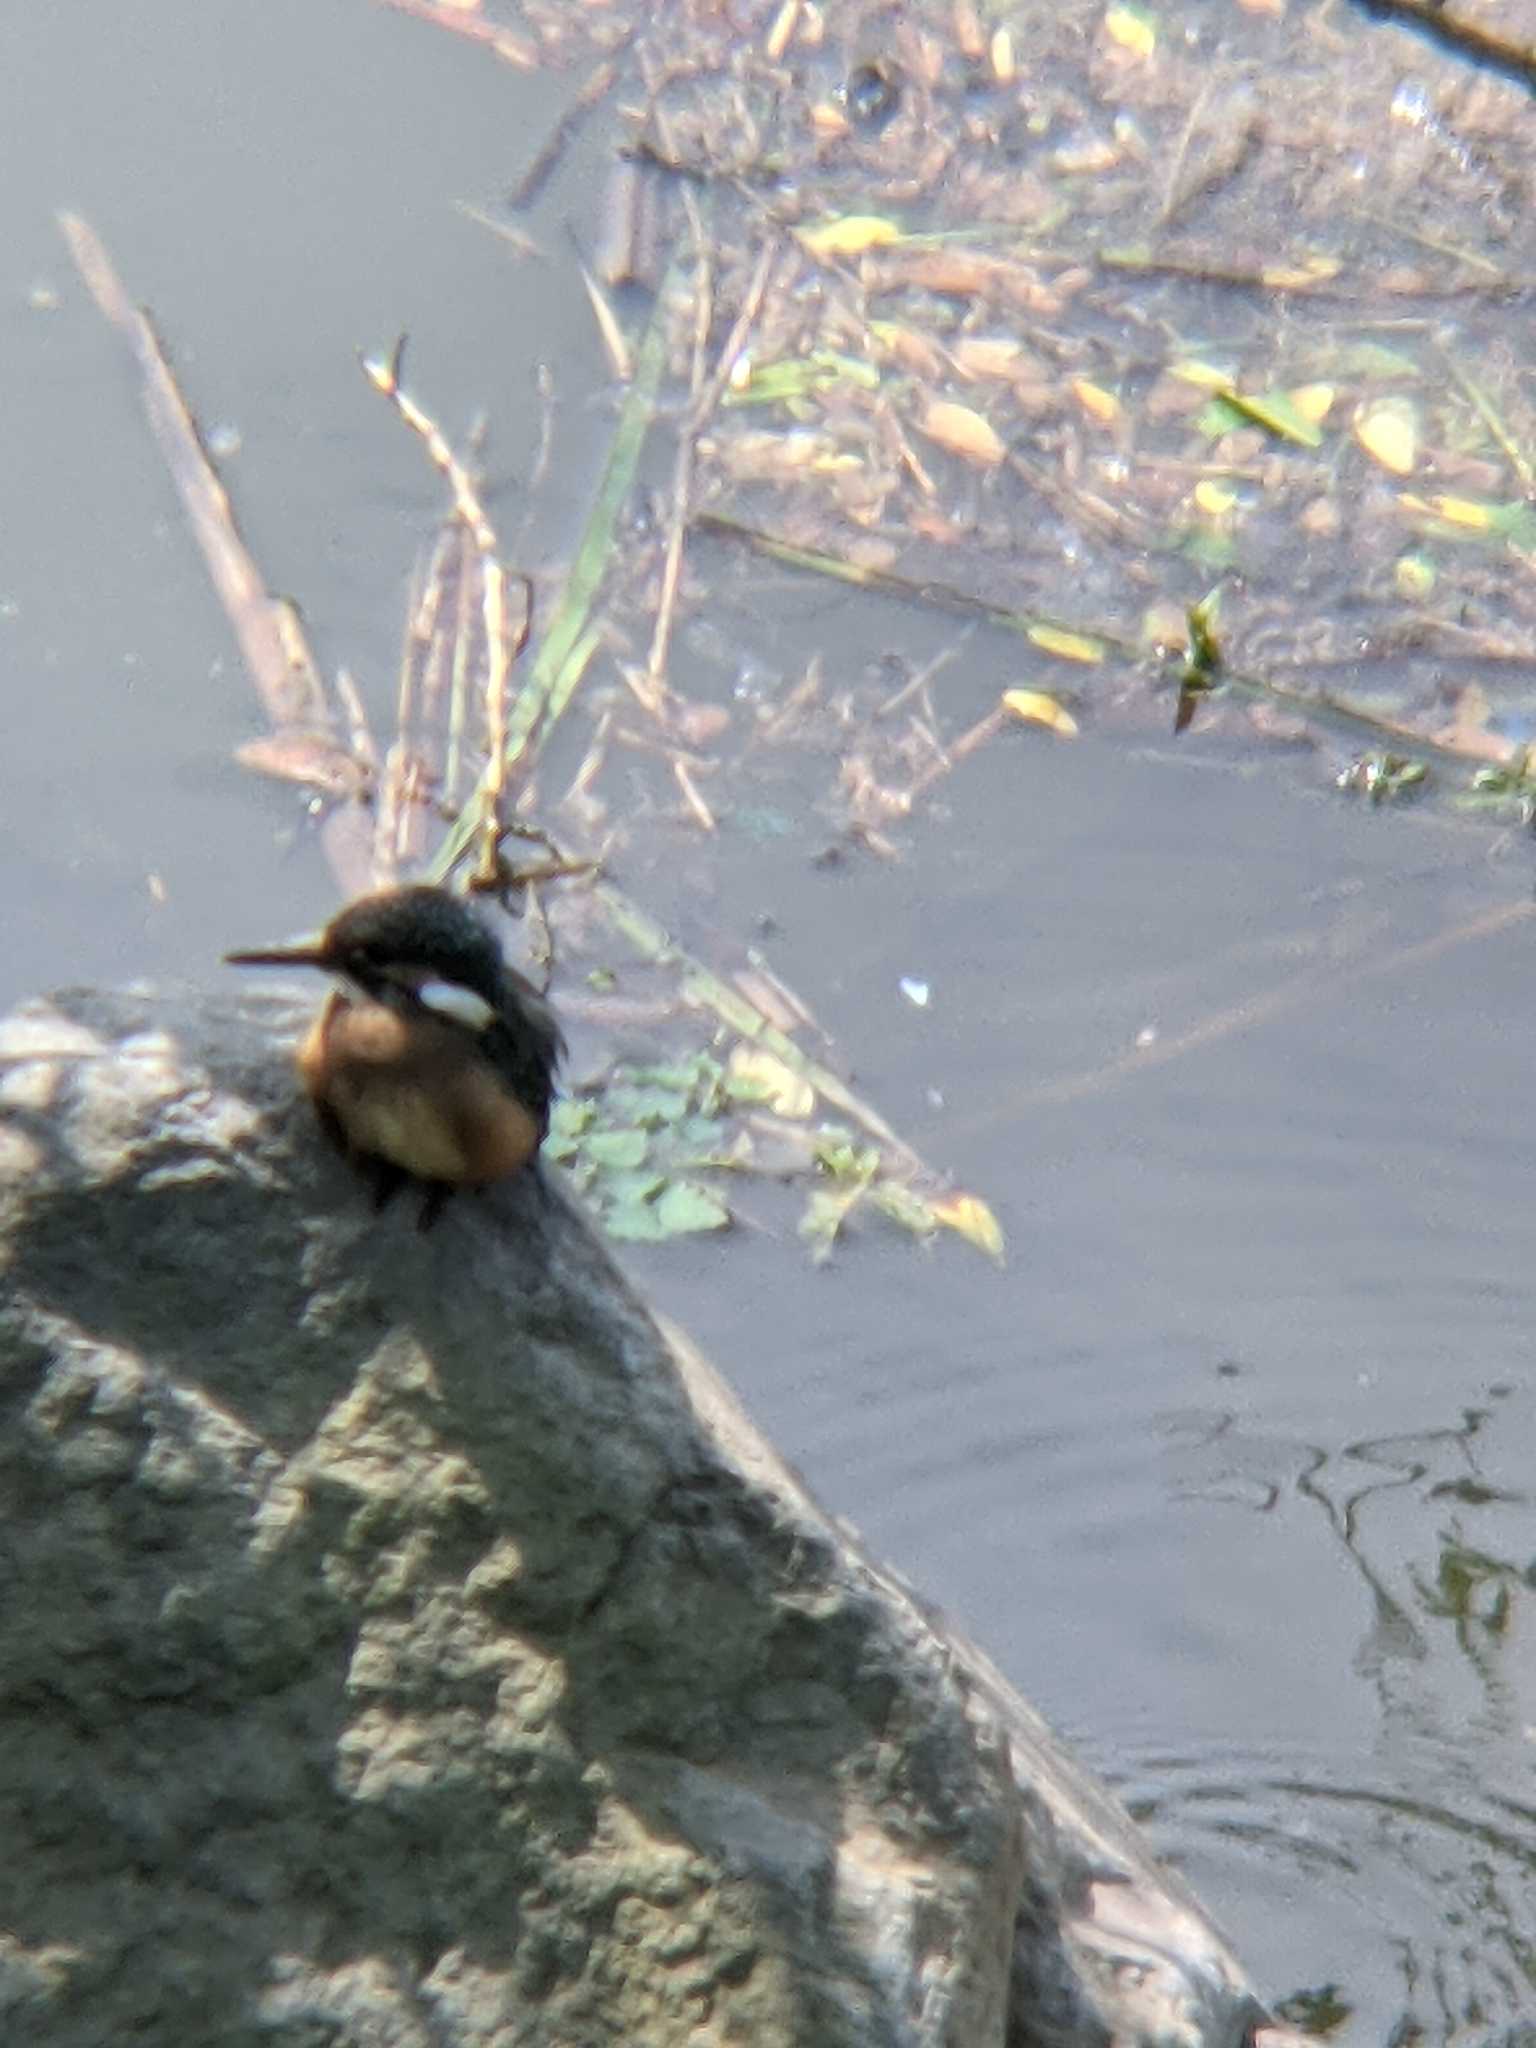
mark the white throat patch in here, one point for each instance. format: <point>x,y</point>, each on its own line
<point>451,999</point>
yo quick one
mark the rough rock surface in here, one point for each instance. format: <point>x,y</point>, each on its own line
<point>407,1644</point>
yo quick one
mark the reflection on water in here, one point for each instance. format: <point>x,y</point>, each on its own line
<point>1422,1884</point>
<point>1231,1469</point>
<point>1420,1868</point>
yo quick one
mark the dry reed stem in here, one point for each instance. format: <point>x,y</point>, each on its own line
<point>615,346</point>
<point>513,49</point>
<point>705,396</point>
<point>655,684</point>
<point>272,643</point>
<point>385,378</point>
<point>692,796</point>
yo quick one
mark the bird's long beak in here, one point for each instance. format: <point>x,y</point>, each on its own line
<point>309,952</point>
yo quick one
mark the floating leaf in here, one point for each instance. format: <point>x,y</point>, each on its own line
<point>649,1109</point>
<point>699,1070</point>
<point>839,1154</point>
<point>1133,28</point>
<point>1215,499</point>
<point>1516,523</point>
<point>1312,270</point>
<point>700,1130</point>
<point>635,1223</point>
<point>1098,403</point>
<point>824,1216</point>
<point>622,1189</point>
<point>849,234</point>
<point>1372,362</point>
<point>1279,414</point>
<point>962,432</point>
<point>904,1206</point>
<point>685,1207</point>
<point>1477,518</point>
<point>756,1076</point>
<point>781,382</point>
<point>1204,376</point>
<point>1314,401</point>
<point>569,1118</point>
<point>1218,418</point>
<point>974,1221</point>
<point>1414,576</point>
<point>1070,646</point>
<point>615,1149</point>
<point>1388,431</point>
<point>1036,708</point>
<point>1470,512</point>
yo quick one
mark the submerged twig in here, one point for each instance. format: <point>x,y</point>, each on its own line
<point>550,151</point>
<point>1370,963</point>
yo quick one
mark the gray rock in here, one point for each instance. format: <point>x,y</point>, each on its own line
<point>409,1644</point>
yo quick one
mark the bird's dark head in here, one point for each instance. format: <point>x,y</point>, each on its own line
<point>420,945</point>
<point>396,939</point>
<point>416,939</point>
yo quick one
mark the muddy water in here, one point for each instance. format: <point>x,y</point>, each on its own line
<point>1230,1467</point>
<point>1202,1465</point>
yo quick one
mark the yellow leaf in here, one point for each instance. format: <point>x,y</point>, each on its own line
<point>962,432</point>
<point>1133,28</point>
<point>1463,512</point>
<point>1214,499</point>
<point>1414,576</point>
<point>849,234</point>
<point>971,1217</point>
<point>1036,708</point>
<point>766,1077</point>
<point>1070,646</point>
<point>1204,376</point>
<point>1298,277</point>
<point>1314,401</point>
<point>1098,403</point>
<point>1388,431</point>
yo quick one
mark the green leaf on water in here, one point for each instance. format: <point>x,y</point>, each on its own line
<point>905,1207</point>
<point>824,1215</point>
<point>684,1206</point>
<point>615,1150</point>
<point>635,1223</point>
<point>624,1188</point>
<point>569,1118</point>
<point>648,1108</point>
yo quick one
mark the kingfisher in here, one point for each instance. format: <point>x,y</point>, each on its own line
<point>431,1060</point>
